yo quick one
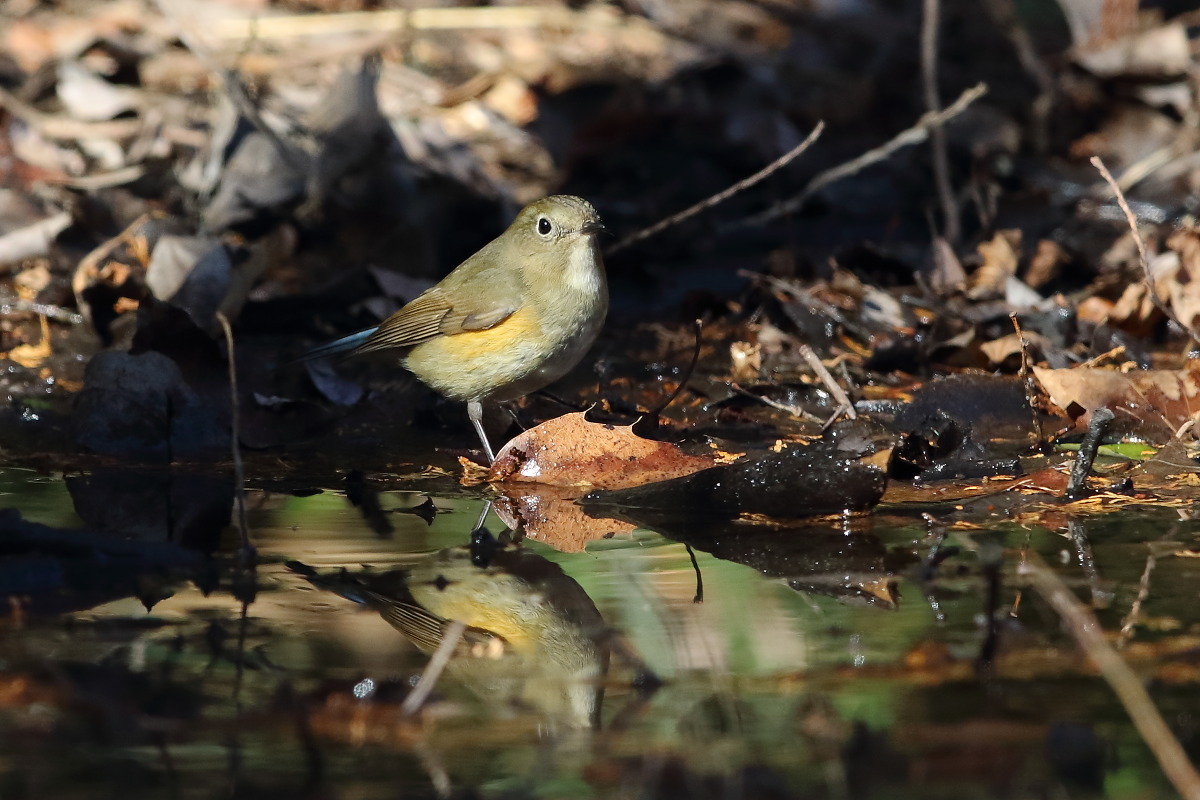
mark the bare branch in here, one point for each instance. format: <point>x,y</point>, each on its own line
<point>1159,303</point>
<point>914,135</point>
<point>930,19</point>
<point>719,197</point>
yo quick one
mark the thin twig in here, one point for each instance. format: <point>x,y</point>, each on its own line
<point>56,313</point>
<point>836,391</point>
<point>930,20</point>
<point>1085,629</point>
<point>795,411</point>
<point>814,304</point>
<point>1159,303</point>
<point>58,126</point>
<point>1026,376</point>
<point>719,197</point>
<point>433,670</point>
<point>1117,351</point>
<point>239,474</point>
<point>683,380</point>
<point>395,20</point>
<point>1005,13</point>
<point>914,135</point>
<point>100,180</point>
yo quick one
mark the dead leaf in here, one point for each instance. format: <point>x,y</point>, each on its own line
<point>1095,310</point>
<point>998,350</point>
<point>1000,258</point>
<point>948,273</point>
<point>570,451</point>
<point>1134,311</point>
<point>1046,264</point>
<point>32,355</point>
<point>1186,242</point>
<point>745,362</point>
<point>1161,399</point>
<point>1161,51</point>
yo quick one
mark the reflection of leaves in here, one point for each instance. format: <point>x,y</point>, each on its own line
<point>570,451</point>
<point>57,570</point>
<point>550,515</point>
<point>817,556</point>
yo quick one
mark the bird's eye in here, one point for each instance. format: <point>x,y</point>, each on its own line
<point>544,226</point>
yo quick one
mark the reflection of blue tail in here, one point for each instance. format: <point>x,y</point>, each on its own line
<point>338,346</point>
<point>340,583</point>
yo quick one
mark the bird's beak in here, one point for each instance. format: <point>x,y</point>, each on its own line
<point>594,226</point>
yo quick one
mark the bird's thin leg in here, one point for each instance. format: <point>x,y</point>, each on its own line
<point>487,507</point>
<point>475,412</point>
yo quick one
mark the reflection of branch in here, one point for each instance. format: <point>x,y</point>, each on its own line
<point>433,670</point>
<point>239,476</point>
<point>719,197</point>
<point>1159,303</point>
<point>1085,629</point>
<point>699,597</point>
<point>914,135</point>
<point>1135,610</point>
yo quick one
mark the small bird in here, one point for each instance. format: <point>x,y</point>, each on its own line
<point>511,319</point>
<point>533,637</point>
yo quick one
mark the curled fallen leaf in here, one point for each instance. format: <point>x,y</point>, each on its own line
<point>570,451</point>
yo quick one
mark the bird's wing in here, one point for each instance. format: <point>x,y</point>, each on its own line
<point>437,313</point>
<point>426,629</point>
<point>418,625</point>
<point>417,322</point>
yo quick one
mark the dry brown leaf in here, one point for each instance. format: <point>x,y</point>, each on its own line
<point>1134,311</point>
<point>1162,399</point>
<point>1095,310</point>
<point>1000,258</point>
<point>32,355</point>
<point>570,451</point>
<point>998,350</point>
<point>1046,264</point>
<point>1186,242</point>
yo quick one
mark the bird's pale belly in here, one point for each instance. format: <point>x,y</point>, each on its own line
<point>512,359</point>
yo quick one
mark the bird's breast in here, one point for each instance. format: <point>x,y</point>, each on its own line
<point>559,318</point>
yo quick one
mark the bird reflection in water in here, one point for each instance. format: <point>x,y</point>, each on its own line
<point>533,637</point>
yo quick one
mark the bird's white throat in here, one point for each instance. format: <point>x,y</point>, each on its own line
<point>583,267</point>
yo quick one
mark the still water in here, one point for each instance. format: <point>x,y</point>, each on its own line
<point>747,660</point>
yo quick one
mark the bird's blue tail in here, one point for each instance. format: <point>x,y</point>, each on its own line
<point>338,346</point>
